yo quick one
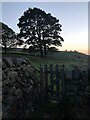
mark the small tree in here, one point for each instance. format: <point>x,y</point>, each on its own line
<point>39,29</point>
<point>7,37</point>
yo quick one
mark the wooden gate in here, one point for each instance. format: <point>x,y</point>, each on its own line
<point>56,83</point>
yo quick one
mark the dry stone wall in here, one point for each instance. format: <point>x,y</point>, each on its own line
<point>19,83</point>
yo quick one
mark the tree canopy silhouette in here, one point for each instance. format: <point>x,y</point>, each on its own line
<point>7,36</point>
<point>40,30</point>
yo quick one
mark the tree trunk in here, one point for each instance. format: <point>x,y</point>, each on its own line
<point>44,50</point>
<point>40,46</point>
<point>41,50</point>
<point>5,48</point>
<point>44,46</point>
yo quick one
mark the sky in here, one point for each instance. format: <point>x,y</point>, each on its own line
<point>44,0</point>
<point>72,15</point>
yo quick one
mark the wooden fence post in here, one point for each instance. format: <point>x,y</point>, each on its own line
<point>51,79</point>
<point>42,83</point>
<point>57,81</point>
<point>46,81</point>
<point>63,84</point>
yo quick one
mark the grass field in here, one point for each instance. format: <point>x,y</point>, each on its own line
<point>69,59</point>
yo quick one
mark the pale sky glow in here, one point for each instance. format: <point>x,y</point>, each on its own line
<point>76,41</point>
<point>44,0</point>
<point>72,15</point>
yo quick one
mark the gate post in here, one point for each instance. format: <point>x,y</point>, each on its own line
<point>63,84</point>
<point>42,83</point>
<point>57,81</point>
<point>51,79</point>
<point>46,81</point>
